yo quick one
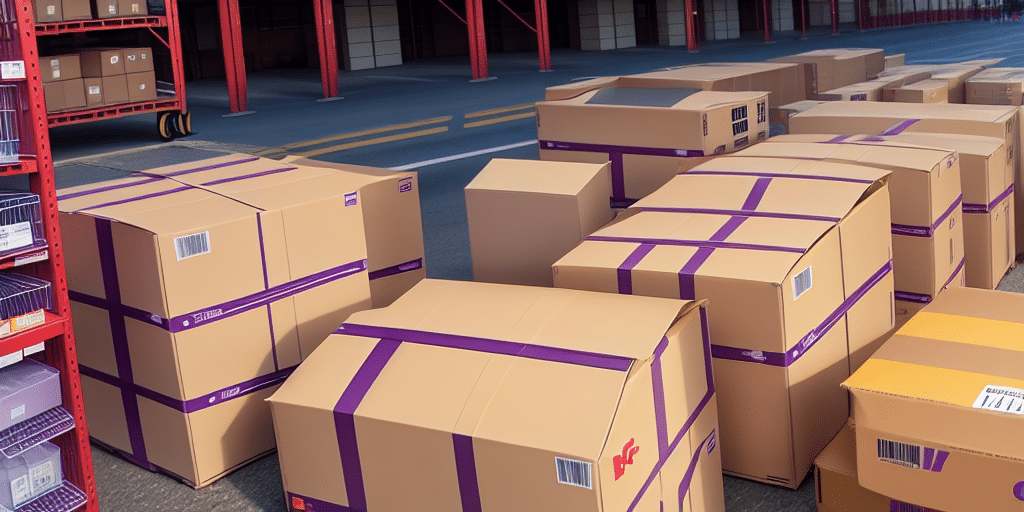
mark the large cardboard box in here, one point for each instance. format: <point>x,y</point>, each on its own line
<point>102,63</point>
<point>93,92</point>
<point>786,257</point>
<point>470,394</point>
<point>137,60</point>
<point>391,220</point>
<point>939,407</point>
<point>647,133</point>
<point>996,86</point>
<point>60,67</point>
<point>131,8</point>
<point>524,215</point>
<point>871,90</point>
<point>115,89</point>
<point>190,306</point>
<point>955,76</point>
<point>897,118</point>
<point>106,9</point>
<point>76,10</point>
<point>64,95</point>
<point>141,86</point>
<point>47,11</point>
<point>925,91</point>
<point>53,94</point>
<point>892,61</point>
<point>835,479</point>
<point>782,114</point>
<point>834,68</point>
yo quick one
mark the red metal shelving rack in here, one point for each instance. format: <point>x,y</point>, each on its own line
<point>18,43</point>
<point>174,104</point>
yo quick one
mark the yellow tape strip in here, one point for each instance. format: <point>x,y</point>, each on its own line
<point>964,329</point>
<point>925,382</point>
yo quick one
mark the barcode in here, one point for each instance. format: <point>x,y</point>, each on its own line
<point>192,245</point>
<point>574,472</point>
<point>1002,399</point>
<point>740,127</point>
<point>802,282</point>
<point>739,113</point>
<point>903,454</point>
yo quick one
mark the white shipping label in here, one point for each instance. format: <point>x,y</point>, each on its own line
<point>112,9</point>
<point>20,491</point>
<point>26,321</point>
<point>143,56</point>
<point>142,87</point>
<point>94,89</point>
<point>18,411</point>
<point>56,73</point>
<point>802,282</point>
<point>14,236</point>
<point>192,245</point>
<point>51,10</point>
<point>1002,399</point>
<point>114,59</point>
<point>131,57</point>
<point>42,478</point>
<point>576,473</point>
<point>12,69</point>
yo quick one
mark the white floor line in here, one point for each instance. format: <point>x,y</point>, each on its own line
<point>461,156</point>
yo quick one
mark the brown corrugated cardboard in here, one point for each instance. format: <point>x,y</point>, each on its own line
<point>74,93</point>
<point>115,89</point>
<point>896,118</point>
<point>130,8</point>
<point>137,60</point>
<point>871,90</point>
<point>831,69</point>
<point>76,10</point>
<point>925,91</point>
<point>93,92</point>
<point>169,280</point>
<point>524,215</point>
<point>102,63</point>
<point>955,76</point>
<point>996,86</point>
<point>892,61</point>
<point>907,307</point>
<point>64,95</point>
<point>141,86</point>
<point>106,9</point>
<point>463,391</point>
<point>53,93</point>
<point>992,250</point>
<point>939,407</point>
<point>782,114</point>
<point>797,262</point>
<point>648,133</point>
<point>47,11</point>
<point>60,67</point>
<point>394,230</point>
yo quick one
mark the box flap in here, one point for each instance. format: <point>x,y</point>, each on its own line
<point>691,101</point>
<point>840,456</point>
<point>881,154</point>
<point>542,177</point>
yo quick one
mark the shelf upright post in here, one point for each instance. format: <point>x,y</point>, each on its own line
<point>323,12</point>
<point>234,60</point>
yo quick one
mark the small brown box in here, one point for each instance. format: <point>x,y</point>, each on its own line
<point>128,8</point>
<point>106,9</point>
<point>141,86</point>
<point>115,90</point>
<point>59,67</point>
<point>53,93</point>
<point>137,60</point>
<point>74,93</point>
<point>93,92</point>
<point>48,11</point>
<point>76,10</point>
<point>102,63</point>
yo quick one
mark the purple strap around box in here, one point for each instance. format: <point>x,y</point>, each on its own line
<point>465,468</point>
<point>684,485</point>
<point>266,286</point>
<point>696,243</point>
<point>153,178</point>
<point>401,268</point>
<point>921,298</point>
<point>231,179</point>
<point>624,273</point>
<point>737,213</point>
<point>838,139</point>
<point>779,175</point>
<point>809,340</point>
<point>137,198</point>
<point>898,128</point>
<point>615,155</point>
<point>927,231</point>
<point>658,383</point>
<point>986,208</point>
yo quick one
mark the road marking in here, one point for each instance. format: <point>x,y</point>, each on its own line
<point>484,113</point>
<point>352,135</point>
<point>460,156</point>
<point>496,120</point>
<point>370,142</point>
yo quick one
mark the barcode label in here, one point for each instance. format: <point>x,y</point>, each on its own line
<point>192,245</point>
<point>1002,399</point>
<point>902,454</point>
<point>574,472</point>
<point>12,69</point>
<point>802,282</point>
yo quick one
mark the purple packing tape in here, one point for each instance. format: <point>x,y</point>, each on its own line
<point>625,271</point>
<point>779,175</point>
<point>137,198</point>
<point>684,485</point>
<point>899,128</point>
<point>401,268</point>
<point>465,469</point>
<point>266,285</point>
<point>738,213</point>
<point>658,383</point>
<point>153,178</point>
<point>247,176</point>
<point>927,231</point>
<point>697,243</point>
<point>955,272</point>
<point>809,340</point>
<point>838,139</point>
<point>919,298</point>
<point>756,194</point>
<point>986,208</point>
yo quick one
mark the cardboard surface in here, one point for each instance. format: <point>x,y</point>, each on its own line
<point>955,76</point>
<point>53,94</point>
<point>74,93</point>
<point>60,67</point>
<point>76,10</point>
<point>64,95</point>
<point>925,91</point>
<point>946,387</point>
<point>106,9</point>
<point>989,243</point>
<point>375,424</point>
<point>525,215</point>
<point>138,60</point>
<point>93,92</point>
<point>47,11</point>
<point>830,69</point>
<point>996,86</point>
<point>141,86</point>
<point>102,63</point>
<point>115,89</point>
<point>872,90</point>
<point>131,8</point>
<point>892,61</point>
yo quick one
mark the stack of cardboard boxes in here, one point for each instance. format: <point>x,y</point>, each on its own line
<point>94,78</point>
<point>50,11</point>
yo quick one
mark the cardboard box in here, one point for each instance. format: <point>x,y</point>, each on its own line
<point>137,60</point>
<point>647,133</point>
<point>892,61</point>
<point>468,398</point>
<point>996,86</point>
<point>835,478</point>
<point>925,91</point>
<point>955,75</point>
<point>991,252</point>
<point>141,86</point>
<point>825,70</point>
<point>115,90</point>
<point>102,63</point>
<point>897,118</point>
<point>391,220</point>
<point>782,114</point>
<point>60,67</point>
<point>169,281</point>
<point>130,8</point>
<point>93,92</point>
<point>909,305</point>
<point>53,94</point>
<point>783,273</point>
<point>27,388</point>
<point>524,215</point>
<point>64,95</point>
<point>937,407</point>
<point>106,9</point>
<point>872,90</point>
<point>47,11</point>
<point>76,10</point>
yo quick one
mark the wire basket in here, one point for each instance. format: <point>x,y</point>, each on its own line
<point>21,295</point>
<point>10,141</point>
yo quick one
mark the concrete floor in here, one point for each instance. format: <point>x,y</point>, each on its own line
<point>415,116</point>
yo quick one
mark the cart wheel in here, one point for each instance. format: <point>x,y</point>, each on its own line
<point>183,123</point>
<point>165,126</point>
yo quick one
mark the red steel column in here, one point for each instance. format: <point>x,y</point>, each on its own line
<point>766,7</point>
<point>691,27</point>
<point>477,38</point>
<point>835,18</point>
<point>234,62</point>
<point>803,18</point>
<point>323,13</point>
<point>540,7</point>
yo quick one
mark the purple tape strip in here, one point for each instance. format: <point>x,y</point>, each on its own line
<point>956,271</point>
<point>986,208</point>
<point>625,271</point>
<point>266,285</point>
<point>247,176</point>
<point>344,419</point>
<point>136,198</point>
<point>687,279</point>
<point>401,268</point>
<point>658,383</point>
<point>214,166</point>
<point>697,243</point>
<point>810,339</point>
<point>465,468</point>
<point>919,298</point>
<point>738,213</point>
<point>778,175</point>
<point>927,231</point>
<point>618,170</point>
<point>119,335</point>
<point>300,503</point>
<point>898,128</point>
<point>756,194</point>
<point>838,139</point>
<point>684,485</point>
<point>152,178</point>
<point>558,355</point>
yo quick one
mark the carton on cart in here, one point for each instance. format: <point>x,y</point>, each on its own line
<point>141,86</point>
<point>190,307</point>
<point>47,11</point>
<point>60,67</point>
<point>647,133</point>
<point>76,10</point>
<point>524,215</point>
<point>505,398</point>
<point>939,407</point>
<point>996,86</point>
<point>798,264</point>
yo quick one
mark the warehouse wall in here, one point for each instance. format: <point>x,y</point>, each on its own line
<point>672,22</point>
<point>722,19</point>
<point>371,36</point>
<point>782,15</point>
<point>606,24</point>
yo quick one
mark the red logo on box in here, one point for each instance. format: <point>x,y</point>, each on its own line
<point>621,461</point>
<point>298,503</point>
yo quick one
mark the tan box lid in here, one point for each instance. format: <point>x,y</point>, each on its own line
<point>863,91</point>
<point>556,178</point>
<point>671,97</point>
<point>999,76</point>
<point>915,111</point>
<point>840,455</point>
<point>492,365</point>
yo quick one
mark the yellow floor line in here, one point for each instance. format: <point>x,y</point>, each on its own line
<point>497,120</point>
<point>370,142</point>
<point>362,133</point>
<point>484,113</point>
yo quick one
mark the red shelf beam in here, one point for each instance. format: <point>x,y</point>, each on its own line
<point>127,109</point>
<point>70,27</point>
